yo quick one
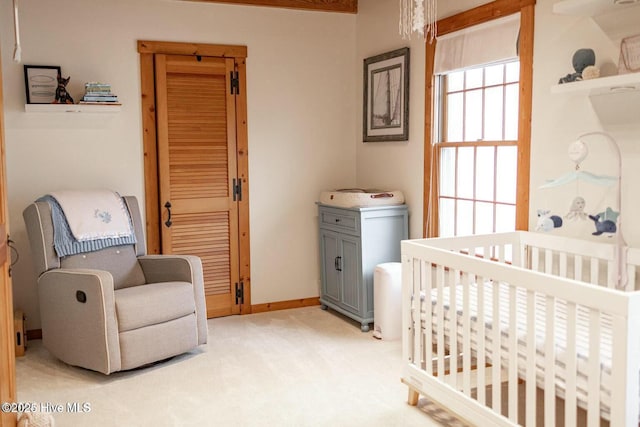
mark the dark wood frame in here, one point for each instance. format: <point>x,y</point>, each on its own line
<point>344,6</point>
<point>404,61</point>
<point>27,86</point>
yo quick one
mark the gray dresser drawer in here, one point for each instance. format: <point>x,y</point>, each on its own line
<point>345,221</point>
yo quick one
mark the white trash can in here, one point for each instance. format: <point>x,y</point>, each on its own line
<point>387,301</point>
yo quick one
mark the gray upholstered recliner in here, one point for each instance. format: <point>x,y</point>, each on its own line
<point>116,308</point>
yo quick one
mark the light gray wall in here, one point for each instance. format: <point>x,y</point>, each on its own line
<point>301,104</point>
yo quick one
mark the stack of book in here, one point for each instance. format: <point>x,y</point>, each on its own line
<point>99,93</point>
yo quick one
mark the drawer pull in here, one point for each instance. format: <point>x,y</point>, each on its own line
<point>338,263</point>
<point>337,219</point>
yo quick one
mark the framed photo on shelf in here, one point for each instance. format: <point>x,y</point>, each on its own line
<point>629,61</point>
<point>41,82</point>
<point>386,97</point>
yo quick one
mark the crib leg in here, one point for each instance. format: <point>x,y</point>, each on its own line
<point>413,397</point>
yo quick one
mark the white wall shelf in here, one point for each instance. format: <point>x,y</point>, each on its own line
<point>615,99</point>
<point>602,85</point>
<point>71,108</point>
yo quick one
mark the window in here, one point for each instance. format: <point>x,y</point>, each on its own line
<point>477,149</point>
<point>477,125</point>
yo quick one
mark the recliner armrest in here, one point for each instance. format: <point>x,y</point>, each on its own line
<point>79,323</point>
<point>171,268</point>
<point>181,268</point>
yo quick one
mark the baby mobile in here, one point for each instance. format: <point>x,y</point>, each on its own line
<point>605,222</point>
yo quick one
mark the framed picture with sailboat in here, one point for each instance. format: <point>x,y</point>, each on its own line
<point>386,97</point>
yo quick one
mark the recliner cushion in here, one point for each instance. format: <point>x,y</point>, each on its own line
<point>150,304</point>
<point>120,261</point>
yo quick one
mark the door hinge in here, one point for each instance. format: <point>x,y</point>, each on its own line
<point>240,293</point>
<point>235,82</point>
<point>237,190</point>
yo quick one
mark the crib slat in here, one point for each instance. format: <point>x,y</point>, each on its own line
<point>453,327</point>
<point>548,261</point>
<point>427,288</point>
<point>624,361</point>
<point>467,279</point>
<point>440,313</point>
<point>513,355</point>
<point>496,388</point>
<point>520,255</point>
<point>563,264</point>
<point>481,334</point>
<point>531,391</point>
<point>577,268</point>
<point>595,271</point>
<point>571,363</point>
<point>414,349</point>
<point>593,398</point>
<point>612,274</point>
<point>631,277</point>
<point>535,259</point>
<point>550,364</point>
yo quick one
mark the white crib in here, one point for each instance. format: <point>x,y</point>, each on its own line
<point>563,315</point>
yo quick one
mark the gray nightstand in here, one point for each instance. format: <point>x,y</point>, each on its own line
<point>352,242</point>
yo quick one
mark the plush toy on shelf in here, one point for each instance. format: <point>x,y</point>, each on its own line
<point>62,96</point>
<point>590,72</point>
<point>582,59</point>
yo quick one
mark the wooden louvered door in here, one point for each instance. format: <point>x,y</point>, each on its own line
<point>196,126</point>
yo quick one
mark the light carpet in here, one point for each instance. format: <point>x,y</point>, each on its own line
<point>299,367</point>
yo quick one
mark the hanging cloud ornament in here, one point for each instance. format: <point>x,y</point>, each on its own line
<point>603,180</point>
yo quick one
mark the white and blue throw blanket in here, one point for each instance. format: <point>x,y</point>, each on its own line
<point>85,221</point>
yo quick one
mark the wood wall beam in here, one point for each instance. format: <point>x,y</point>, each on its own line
<point>480,14</point>
<point>345,6</point>
<point>178,48</point>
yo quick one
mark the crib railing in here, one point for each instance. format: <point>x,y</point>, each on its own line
<point>599,263</point>
<point>509,311</point>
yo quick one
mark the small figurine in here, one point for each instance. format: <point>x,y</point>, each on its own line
<point>62,96</point>
<point>606,226</point>
<point>590,72</point>
<point>547,222</point>
<point>576,211</point>
<point>582,58</point>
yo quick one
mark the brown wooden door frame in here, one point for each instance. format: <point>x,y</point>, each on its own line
<point>147,50</point>
<point>7,331</point>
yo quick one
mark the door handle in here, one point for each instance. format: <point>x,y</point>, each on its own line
<point>168,222</point>
<point>339,263</point>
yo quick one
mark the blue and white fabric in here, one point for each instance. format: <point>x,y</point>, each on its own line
<point>98,220</point>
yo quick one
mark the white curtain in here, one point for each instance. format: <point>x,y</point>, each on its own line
<point>486,43</point>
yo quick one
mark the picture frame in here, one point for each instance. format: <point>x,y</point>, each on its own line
<point>386,97</point>
<point>41,82</point>
<point>629,59</point>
